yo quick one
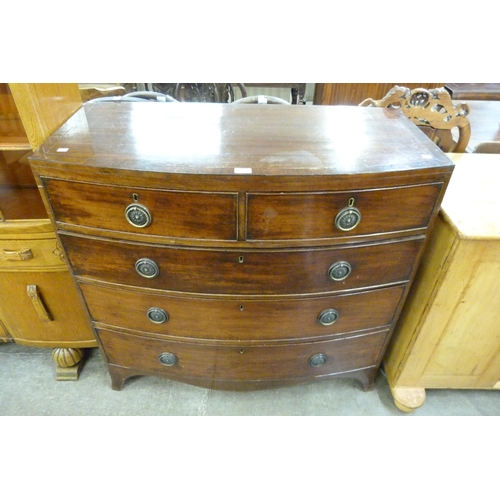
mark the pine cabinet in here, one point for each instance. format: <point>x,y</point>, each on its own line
<point>39,305</point>
<point>448,335</point>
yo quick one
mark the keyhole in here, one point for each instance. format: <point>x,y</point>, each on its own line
<point>241,259</point>
<point>242,351</point>
<point>241,307</point>
<point>135,197</point>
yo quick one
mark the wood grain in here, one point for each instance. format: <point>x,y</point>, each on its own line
<point>69,327</point>
<point>242,362</point>
<point>242,319</point>
<point>212,271</point>
<point>43,107</point>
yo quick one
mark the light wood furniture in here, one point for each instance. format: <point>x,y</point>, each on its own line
<point>448,335</point>
<point>433,111</point>
<point>238,247</point>
<point>89,91</point>
<point>4,334</point>
<point>39,305</point>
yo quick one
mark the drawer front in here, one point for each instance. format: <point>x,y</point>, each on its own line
<point>251,320</point>
<point>169,213</point>
<point>241,272</point>
<point>31,255</point>
<point>43,310</point>
<point>241,362</point>
<point>313,215</point>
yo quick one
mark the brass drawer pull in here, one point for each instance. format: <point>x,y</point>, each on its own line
<point>339,271</point>
<point>348,218</point>
<point>147,268</point>
<point>11,255</point>
<point>157,315</point>
<point>37,301</point>
<point>167,359</point>
<point>318,360</point>
<point>328,317</point>
<point>138,215</point>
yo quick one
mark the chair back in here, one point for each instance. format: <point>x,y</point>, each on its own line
<point>261,99</point>
<point>433,111</point>
<point>139,96</point>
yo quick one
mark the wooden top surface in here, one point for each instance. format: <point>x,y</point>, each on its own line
<point>484,118</point>
<point>471,203</point>
<point>475,91</point>
<point>228,139</point>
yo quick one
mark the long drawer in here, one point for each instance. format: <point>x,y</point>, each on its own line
<point>171,213</point>
<point>248,320</point>
<point>289,216</point>
<point>241,362</point>
<point>208,271</point>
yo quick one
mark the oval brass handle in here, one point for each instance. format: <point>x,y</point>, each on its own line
<point>138,215</point>
<point>339,271</point>
<point>22,254</point>
<point>37,301</point>
<point>147,268</point>
<point>167,359</point>
<point>318,360</point>
<point>157,315</point>
<point>348,218</point>
<point>328,317</point>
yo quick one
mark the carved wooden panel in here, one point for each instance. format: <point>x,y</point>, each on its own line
<point>354,93</point>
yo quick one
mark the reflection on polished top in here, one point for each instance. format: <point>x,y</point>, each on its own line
<point>241,139</point>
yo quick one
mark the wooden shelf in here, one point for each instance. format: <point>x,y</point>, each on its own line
<point>12,133</point>
<point>14,144</point>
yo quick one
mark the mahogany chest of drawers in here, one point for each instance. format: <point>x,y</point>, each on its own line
<point>241,246</point>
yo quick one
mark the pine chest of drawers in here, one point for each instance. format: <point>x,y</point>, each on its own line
<point>241,246</point>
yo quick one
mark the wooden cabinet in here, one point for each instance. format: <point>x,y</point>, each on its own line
<point>448,335</point>
<point>241,246</point>
<point>39,304</point>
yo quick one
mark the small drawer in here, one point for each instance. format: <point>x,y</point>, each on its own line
<point>145,211</point>
<point>208,271</point>
<point>298,216</point>
<point>219,362</point>
<point>246,320</point>
<point>31,255</point>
